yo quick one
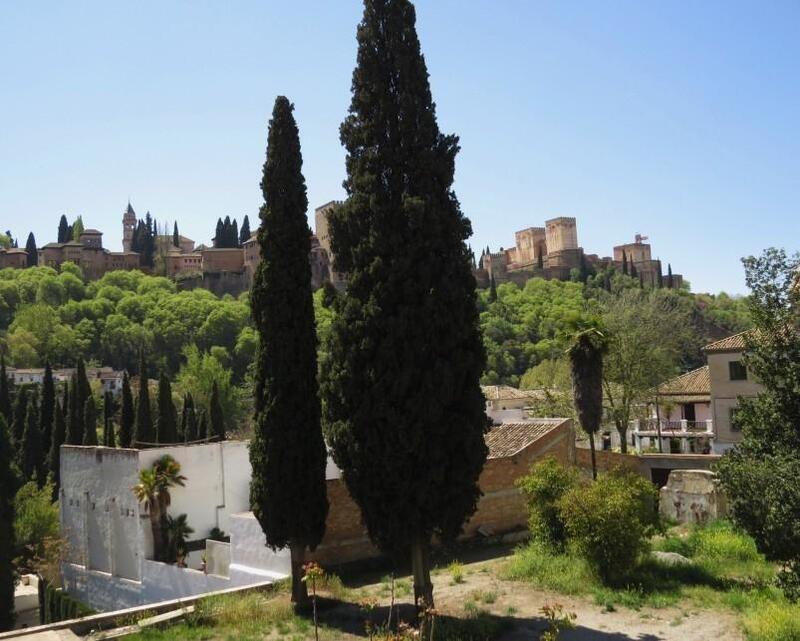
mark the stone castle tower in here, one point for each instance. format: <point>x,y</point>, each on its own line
<point>128,225</point>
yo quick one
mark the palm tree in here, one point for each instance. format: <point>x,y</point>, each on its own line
<point>586,361</point>
<point>152,492</point>
<point>178,531</point>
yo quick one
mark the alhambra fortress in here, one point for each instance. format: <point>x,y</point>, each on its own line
<point>550,252</point>
<point>553,252</point>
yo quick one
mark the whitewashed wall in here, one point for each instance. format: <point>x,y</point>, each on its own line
<point>108,532</point>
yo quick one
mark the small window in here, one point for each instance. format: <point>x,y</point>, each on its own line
<point>732,418</point>
<point>737,371</point>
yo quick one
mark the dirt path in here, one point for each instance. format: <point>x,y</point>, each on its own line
<point>520,605</point>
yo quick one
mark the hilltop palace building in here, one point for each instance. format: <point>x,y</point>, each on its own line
<point>553,252</point>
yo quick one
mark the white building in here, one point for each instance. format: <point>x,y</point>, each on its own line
<point>109,542</point>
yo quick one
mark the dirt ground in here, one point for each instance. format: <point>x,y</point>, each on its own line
<point>519,606</point>
<point>592,622</point>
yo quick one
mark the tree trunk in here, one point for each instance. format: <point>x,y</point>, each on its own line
<point>594,460</point>
<point>155,528</point>
<point>421,569</point>
<point>623,438</point>
<point>299,587</point>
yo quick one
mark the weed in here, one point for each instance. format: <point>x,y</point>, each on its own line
<point>456,570</point>
<point>774,622</point>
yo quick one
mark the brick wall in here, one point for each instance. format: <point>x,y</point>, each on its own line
<point>501,508</point>
<point>607,460</point>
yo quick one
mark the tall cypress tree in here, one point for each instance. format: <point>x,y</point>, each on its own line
<point>624,263</point>
<point>59,438</point>
<point>202,425</point>
<point>127,415</point>
<point>48,406</point>
<point>287,493</point>
<point>143,429</point>
<point>31,455</point>
<point>8,486</point>
<point>167,420</point>
<point>219,241</point>
<point>235,234</point>
<point>109,438</point>
<point>176,237</point>
<point>32,251</point>
<point>244,233</point>
<point>74,413</point>
<point>5,393</point>
<point>20,412</point>
<point>64,232</point>
<point>216,417</point>
<point>660,276</point>
<point>403,406</point>
<point>190,419</point>
<point>90,421</point>
<point>492,289</point>
<point>670,282</point>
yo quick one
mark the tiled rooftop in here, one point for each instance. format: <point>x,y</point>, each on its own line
<point>507,393</point>
<point>694,383</point>
<point>510,438</point>
<point>733,343</point>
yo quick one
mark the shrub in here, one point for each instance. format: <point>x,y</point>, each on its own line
<point>609,522</point>
<point>773,622</point>
<point>543,487</point>
<point>456,570</point>
<point>36,520</point>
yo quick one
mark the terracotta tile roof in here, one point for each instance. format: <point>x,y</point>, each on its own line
<point>696,383</point>
<point>507,393</point>
<point>733,343</point>
<point>509,439</point>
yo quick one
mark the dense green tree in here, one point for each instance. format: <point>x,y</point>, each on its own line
<point>109,438</point>
<point>216,418</point>
<point>64,232</point>
<point>287,493</point>
<point>77,228</point>
<point>404,409</point>
<point>59,438</point>
<point>167,419</point>
<point>143,428</point>
<point>176,237</point>
<point>8,486</point>
<point>492,289</point>
<point>47,408</point>
<point>244,232</point>
<point>31,453</point>
<point>760,473</point>
<point>32,251</point>
<point>90,421</point>
<point>127,416</point>
<point>5,393</point>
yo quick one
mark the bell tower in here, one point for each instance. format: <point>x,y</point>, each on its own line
<point>128,225</point>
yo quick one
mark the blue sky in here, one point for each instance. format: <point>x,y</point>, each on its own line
<point>677,120</point>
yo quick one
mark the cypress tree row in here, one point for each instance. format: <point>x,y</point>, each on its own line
<point>109,438</point>
<point>31,455</point>
<point>167,421</point>
<point>287,493</point>
<point>403,407</point>
<point>54,458</point>
<point>90,422</point>
<point>48,406</point>
<point>216,417</point>
<point>143,429</point>
<point>127,416</point>
<point>8,486</point>
<point>5,393</point>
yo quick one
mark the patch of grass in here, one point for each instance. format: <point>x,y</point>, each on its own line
<point>479,626</point>
<point>537,564</point>
<point>773,622</point>
<point>456,570</point>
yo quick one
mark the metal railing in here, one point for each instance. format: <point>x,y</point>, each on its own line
<point>671,427</point>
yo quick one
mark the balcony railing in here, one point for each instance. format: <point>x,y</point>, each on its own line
<point>670,428</point>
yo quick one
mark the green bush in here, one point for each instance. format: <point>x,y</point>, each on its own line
<point>610,521</point>
<point>35,520</point>
<point>543,488</point>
